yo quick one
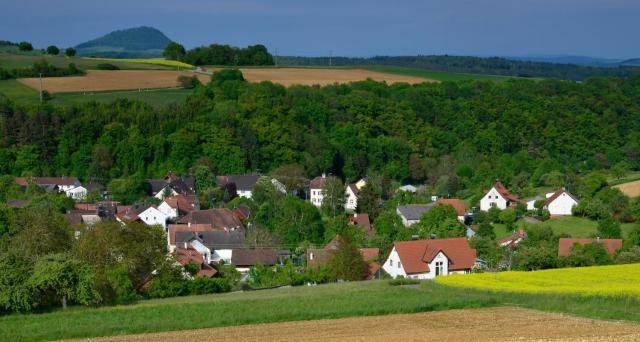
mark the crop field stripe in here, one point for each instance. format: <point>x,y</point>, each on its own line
<point>163,62</point>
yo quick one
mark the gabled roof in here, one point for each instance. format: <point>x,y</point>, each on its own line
<point>66,181</point>
<point>189,254</point>
<point>178,184</point>
<point>174,228</point>
<point>318,182</point>
<point>417,254</point>
<point>454,202</point>
<point>513,239</point>
<point>213,239</point>
<point>183,203</point>
<point>242,211</point>
<point>502,190</point>
<point>218,218</point>
<point>354,189</point>
<point>610,245</point>
<point>413,212</point>
<point>557,194</point>
<point>361,219</point>
<point>252,257</point>
<point>242,182</point>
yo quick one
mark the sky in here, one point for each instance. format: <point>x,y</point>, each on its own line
<point>597,28</point>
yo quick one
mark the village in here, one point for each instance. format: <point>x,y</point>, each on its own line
<point>217,236</point>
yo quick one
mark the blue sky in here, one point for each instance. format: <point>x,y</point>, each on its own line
<point>599,28</point>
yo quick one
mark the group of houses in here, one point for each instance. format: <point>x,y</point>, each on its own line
<point>558,203</point>
<point>70,186</point>
<point>352,192</point>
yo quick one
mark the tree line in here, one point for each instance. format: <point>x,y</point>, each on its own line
<point>220,54</point>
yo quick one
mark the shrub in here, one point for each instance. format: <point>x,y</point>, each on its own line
<point>107,66</point>
<point>188,82</point>
<point>403,281</point>
<point>25,46</point>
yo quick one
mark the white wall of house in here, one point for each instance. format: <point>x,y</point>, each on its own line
<point>393,265</point>
<point>77,193</point>
<point>222,254</point>
<point>244,193</point>
<point>316,196</point>
<point>168,211</point>
<point>152,216</point>
<point>493,199</point>
<point>531,205</point>
<point>562,205</point>
<point>351,200</point>
<point>202,249</point>
<point>439,266</point>
<point>160,194</point>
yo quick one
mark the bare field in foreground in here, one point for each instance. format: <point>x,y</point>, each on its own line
<point>496,324</point>
<point>311,76</point>
<point>631,189</point>
<point>105,80</point>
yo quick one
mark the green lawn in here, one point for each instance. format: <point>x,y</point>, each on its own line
<point>287,304</point>
<point>18,91</point>
<point>575,226</point>
<point>21,60</point>
<point>436,75</point>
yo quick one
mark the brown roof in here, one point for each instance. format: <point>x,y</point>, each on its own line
<point>251,257</point>
<point>182,202</point>
<point>502,190</point>
<point>417,254</point>
<point>174,228</point>
<point>49,180</point>
<point>369,254</point>
<point>318,182</point>
<point>512,239</point>
<point>217,218</point>
<point>361,219</point>
<point>610,245</point>
<point>455,203</point>
<point>188,254</point>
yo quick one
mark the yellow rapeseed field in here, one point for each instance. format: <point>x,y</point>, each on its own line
<point>598,280</point>
<point>164,62</point>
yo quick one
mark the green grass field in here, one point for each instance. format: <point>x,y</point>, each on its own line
<point>14,60</point>
<point>572,225</point>
<point>437,75</point>
<point>291,304</point>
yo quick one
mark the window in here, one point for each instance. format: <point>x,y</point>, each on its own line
<point>390,262</point>
<point>399,265</point>
<point>439,268</point>
<point>310,256</point>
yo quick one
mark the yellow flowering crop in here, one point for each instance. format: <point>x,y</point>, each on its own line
<point>597,280</point>
<point>164,62</point>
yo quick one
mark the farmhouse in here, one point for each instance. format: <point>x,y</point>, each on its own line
<point>179,205</point>
<point>456,204</point>
<point>170,185</point>
<point>427,259</point>
<point>498,196</point>
<point>566,244</point>
<point>316,187</point>
<point>560,202</point>
<point>219,245</point>
<point>244,259</point>
<point>411,213</point>
<point>71,186</point>
<point>148,214</point>
<point>240,185</point>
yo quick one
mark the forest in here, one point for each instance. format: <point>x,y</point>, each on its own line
<point>471,65</point>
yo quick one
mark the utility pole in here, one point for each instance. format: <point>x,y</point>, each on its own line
<point>330,56</point>
<point>40,87</point>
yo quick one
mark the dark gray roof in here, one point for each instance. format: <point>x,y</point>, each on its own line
<point>413,212</point>
<point>179,185</point>
<point>215,239</point>
<point>242,182</point>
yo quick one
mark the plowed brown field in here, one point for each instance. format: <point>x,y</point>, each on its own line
<point>497,324</point>
<point>631,189</point>
<point>106,80</point>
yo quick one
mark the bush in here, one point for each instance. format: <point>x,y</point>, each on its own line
<point>107,66</point>
<point>403,281</point>
<point>25,46</point>
<point>227,75</point>
<point>494,214</point>
<point>188,82</point>
<point>53,50</point>
<point>70,52</point>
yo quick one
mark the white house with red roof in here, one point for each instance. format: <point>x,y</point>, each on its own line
<point>498,196</point>
<point>427,259</point>
<point>316,186</point>
<point>560,202</point>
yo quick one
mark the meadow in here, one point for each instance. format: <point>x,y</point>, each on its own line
<point>151,61</point>
<point>370,298</point>
<point>572,225</point>
<point>23,60</point>
<point>615,280</point>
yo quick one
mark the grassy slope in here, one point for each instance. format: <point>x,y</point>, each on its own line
<point>301,303</point>
<point>574,226</point>
<point>436,75</point>
<point>13,60</point>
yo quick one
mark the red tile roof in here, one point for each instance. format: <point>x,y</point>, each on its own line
<point>174,228</point>
<point>369,254</point>
<point>362,219</point>
<point>556,195</point>
<point>318,182</point>
<point>502,190</point>
<point>455,203</point>
<point>610,245</point>
<point>188,254</point>
<point>512,239</point>
<point>417,254</point>
<point>184,203</point>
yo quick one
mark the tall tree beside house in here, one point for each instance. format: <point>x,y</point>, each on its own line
<point>264,191</point>
<point>485,230</point>
<point>42,230</point>
<point>292,176</point>
<point>441,221</point>
<point>334,196</point>
<point>369,202</point>
<point>609,229</point>
<point>346,262</point>
<point>293,219</point>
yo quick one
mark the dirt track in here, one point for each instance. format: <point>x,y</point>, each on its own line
<point>497,324</point>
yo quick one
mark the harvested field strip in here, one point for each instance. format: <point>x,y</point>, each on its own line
<point>617,280</point>
<point>499,324</point>
<point>105,80</point>
<point>631,189</point>
<point>163,62</point>
<point>313,76</point>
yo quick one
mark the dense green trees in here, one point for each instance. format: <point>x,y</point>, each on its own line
<point>440,221</point>
<point>174,51</point>
<point>70,52</point>
<point>217,54</point>
<point>25,46</point>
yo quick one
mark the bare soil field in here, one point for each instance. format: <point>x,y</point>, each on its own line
<point>308,76</point>
<point>631,189</point>
<point>105,80</point>
<point>496,324</point>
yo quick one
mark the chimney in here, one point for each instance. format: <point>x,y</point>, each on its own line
<point>185,245</point>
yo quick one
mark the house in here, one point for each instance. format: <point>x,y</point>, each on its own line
<point>566,244</point>
<point>217,218</point>
<point>498,196</point>
<point>456,204</point>
<point>361,220</point>
<point>513,239</point>
<point>178,205</point>
<point>370,256</point>
<point>98,188</point>
<point>148,214</point>
<point>219,244</point>
<point>79,193</point>
<point>186,254</point>
<point>427,259</point>
<point>411,213</point>
<point>173,229</point>
<point>531,202</point>
<point>351,197</point>
<point>318,257</point>
<point>242,211</point>
<point>170,185</point>
<point>560,203</point>
<point>316,188</point>
<point>244,259</point>
<point>240,185</point>
<point>80,217</point>
<point>408,188</point>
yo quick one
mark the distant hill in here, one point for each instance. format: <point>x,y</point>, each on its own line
<point>568,59</point>
<point>139,42</point>
<point>631,62</point>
